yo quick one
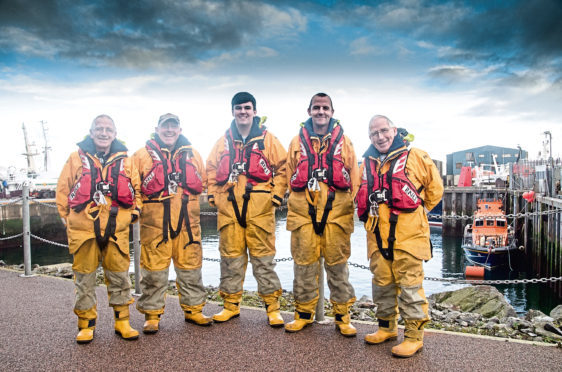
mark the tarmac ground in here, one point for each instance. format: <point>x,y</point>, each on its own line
<point>38,326</point>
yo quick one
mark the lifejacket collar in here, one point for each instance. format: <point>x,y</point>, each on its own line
<point>310,128</point>
<point>255,131</point>
<point>87,145</point>
<point>372,151</point>
<point>182,141</point>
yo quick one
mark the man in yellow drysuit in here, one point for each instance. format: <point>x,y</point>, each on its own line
<point>97,195</point>
<point>172,177</point>
<point>394,210</point>
<point>321,169</point>
<point>246,172</point>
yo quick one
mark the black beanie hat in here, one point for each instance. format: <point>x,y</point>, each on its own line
<point>243,97</point>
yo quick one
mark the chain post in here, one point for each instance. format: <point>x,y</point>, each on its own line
<point>136,256</point>
<point>320,304</point>
<point>26,231</point>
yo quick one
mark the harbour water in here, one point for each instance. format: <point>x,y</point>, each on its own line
<point>448,262</point>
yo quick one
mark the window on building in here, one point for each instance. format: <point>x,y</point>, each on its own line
<point>506,155</point>
<point>469,156</point>
<point>481,155</point>
<point>459,165</point>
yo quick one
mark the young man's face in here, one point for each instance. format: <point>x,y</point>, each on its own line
<point>381,135</point>
<point>244,114</point>
<point>169,132</point>
<point>103,134</point>
<point>320,111</point>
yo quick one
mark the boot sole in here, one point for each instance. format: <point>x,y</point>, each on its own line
<point>276,325</point>
<point>84,341</point>
<point>222,321</point>
<point>381,342</point>
<point>201,324</point>
<point>127,338</point>
<point>407,356</point>
<point>150,331</point>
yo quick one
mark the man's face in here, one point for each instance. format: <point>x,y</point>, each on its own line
<point>381,134</point>
<point>103,134</point>
<point>169,132</point>
<point>321,111</point>
<point>243,114</point>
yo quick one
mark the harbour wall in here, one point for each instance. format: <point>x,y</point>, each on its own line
<point>537,224</point>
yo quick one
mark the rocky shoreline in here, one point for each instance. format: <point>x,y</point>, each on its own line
<point>478,309</point>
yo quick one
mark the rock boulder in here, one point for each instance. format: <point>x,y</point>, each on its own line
<point>482,299</point>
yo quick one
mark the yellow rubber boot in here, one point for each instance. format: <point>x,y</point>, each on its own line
<point>343,324</point>
<point>272,307</point>
<point>151,323</point>
<point>413,339</point>
<point>343,319</point>
<point>122,326</point>
<point>194,314</point>
<point>85,330</point>
<point>302,319</point>
<point>230,310</point>
<point>274,315</point>
<point>387,331</point>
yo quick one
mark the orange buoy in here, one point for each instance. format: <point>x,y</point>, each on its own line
<point>474,271</point>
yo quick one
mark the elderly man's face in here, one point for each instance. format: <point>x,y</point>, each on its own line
<point>381,134</point>
<point>103,134</point>
<point>169,132</point>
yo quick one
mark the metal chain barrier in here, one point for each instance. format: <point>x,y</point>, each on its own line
<point>12,237</point>
<point>511,215</point>
<point>34,200</point>
<point>13,201</point>
<point>48,241</point>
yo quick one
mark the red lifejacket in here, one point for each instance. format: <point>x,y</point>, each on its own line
<point>180,169</point>
<point>393,188</point>
<point>116,184</point>
<point>248,160</point>
<point>327,167</point>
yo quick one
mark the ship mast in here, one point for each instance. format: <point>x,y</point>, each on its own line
<point>29,154</point>
<point>46,147</point>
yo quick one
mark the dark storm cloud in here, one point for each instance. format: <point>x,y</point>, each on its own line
<point>138,33</point>
<point>517,33</point>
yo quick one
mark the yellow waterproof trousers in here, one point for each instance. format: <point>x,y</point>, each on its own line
<point>116,269</point>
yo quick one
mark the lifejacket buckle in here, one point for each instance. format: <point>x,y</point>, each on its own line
<point>99,198</point>
<point>172,187</point>
<point>313,185</point>
<point>103,187</point>
<point>374,210</point>
<point>379,197</point>
<point>319,174</point>
<point>174,177</point>
<point>238,168</point>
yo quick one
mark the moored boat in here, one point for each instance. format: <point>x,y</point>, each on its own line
<point>489,241</point>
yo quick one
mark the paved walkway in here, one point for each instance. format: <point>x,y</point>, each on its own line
<point>37,330</point>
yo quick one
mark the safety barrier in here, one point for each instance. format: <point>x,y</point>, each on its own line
<point>26,234</point>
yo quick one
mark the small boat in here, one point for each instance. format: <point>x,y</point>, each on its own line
<point>489,241</point>
<point>434,216</point>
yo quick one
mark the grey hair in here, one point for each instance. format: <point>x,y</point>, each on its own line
<point>390,123</point>
<point>93,126</point>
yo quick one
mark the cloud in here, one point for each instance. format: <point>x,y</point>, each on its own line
<point>140,34</point>
<point>362,46</point>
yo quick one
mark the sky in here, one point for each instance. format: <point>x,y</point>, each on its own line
<point>456,74</point>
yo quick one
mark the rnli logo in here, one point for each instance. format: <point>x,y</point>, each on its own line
<point>74,191</point>
<point>294,177</point>
<point>400,164</point>
<point>85,162</point>
<point>131,190</point>
<point>411,194</point>
<point>303,150</point>
<point>337,151</point>
<point>263,164</point>
<point>365,173</point>
<point>148,179</point>
<point>153,155</point>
